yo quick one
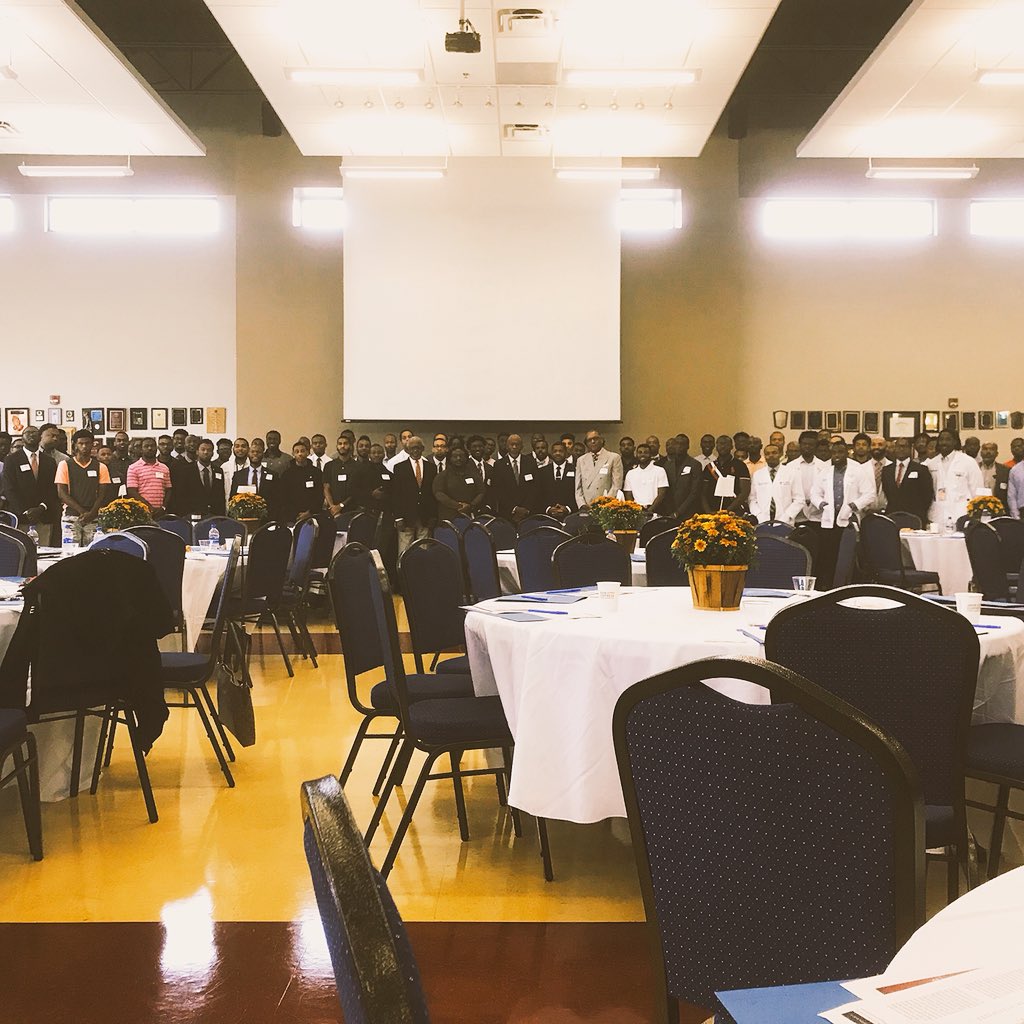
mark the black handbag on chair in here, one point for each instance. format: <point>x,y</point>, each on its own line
<point>234,688</point>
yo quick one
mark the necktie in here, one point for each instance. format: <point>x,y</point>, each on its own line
<point>899,473</point>
<point>35,464</point>
<point>419,472</point>
<point>838,488</point>
<point>771,507</point>
<point>515,469</point>
<point>206,477</point>
<point>878,474</point>
<point>558,472</point>
<point>254,479</point>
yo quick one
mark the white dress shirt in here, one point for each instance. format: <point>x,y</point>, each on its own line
<point>320,460</point>
<point>643,484</point>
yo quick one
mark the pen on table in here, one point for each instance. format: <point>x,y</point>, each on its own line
<point>752,636</point>
<point>986,625</point>
<point>546,611</point>
<point>570,590</point>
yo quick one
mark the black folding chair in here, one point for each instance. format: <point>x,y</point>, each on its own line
<point>8,519</point>
<point>905,520</point>
<point>362,529</point>
<point>579,522</point>
<point>663,570</point>
<point>654,526</point>
<point>502,531</point>
<point>773,528</point>
<point>123,542</point>
<point>1011,534</point>
<point>24,541</point>
<point>17,743</point>
<point>882,555</point>
<point>12,556</point>
<point>481,562</point>
<point>179,527</point>
<point>226,527</point>
<point>166,552</point>
<point>431,579</point>
<point>450,536</point>
<point>590,558</point>
<point>535,521</point>
<point>988,564</point>
<point>294,604</point>
<point>778,561</point>
<point>751,822</point>
<point>533,557</point>
<point>995,754</point>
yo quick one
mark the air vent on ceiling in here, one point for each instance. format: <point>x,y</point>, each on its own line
<point>534,21</point>
<point>525,131</point>
<point>6,128</point>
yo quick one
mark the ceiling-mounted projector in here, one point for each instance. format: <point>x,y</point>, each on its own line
<point>466,40</point>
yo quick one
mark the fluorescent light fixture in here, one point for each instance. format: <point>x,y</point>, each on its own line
<point>1001,76</point>
<point>848,219</point>
<point>410,173</point>
<point>907,173</point>
<point>650,209</point>
<point>638,78</point>
<point>354,76</point>
<point>997,218</point>
<point>76,170</point>
<point>319,209</point>
<point>6,214</point>
<point>607,173</point>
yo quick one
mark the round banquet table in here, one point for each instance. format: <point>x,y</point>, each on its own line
<point>508,571</point>
<point>944,554</point>
<point>559,679</point>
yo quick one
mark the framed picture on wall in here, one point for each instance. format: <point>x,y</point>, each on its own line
<point>195,416</point>
<point>53,416</point>
<point>969,420</point>
<point>1003,419</point>
<point>139,419</point>
<point>116,419</point>
<point>815,418</point>
<point>1017,420</point>
<point>870,422</point>
<point>159,419</point>
<point>951,421</point>
<point>798,419</point>
<point>986,420</point>
<point>930,421</point>
<point>93,420</point>
<point>70,416</point>
<point>833,421</point>
<point>179,417</point>
<point>902,423</point>
<point>851,422</point>
<point>38,416</point>
<point>16,421</point>
<point>217,419</point>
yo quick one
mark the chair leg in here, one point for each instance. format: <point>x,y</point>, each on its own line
<point>308,637</point>
<point>418,661</point>
<point>208,726</point>
<point>76,751</point>
<point>403,825</point>
<point>293,629</point>
<point>27,770</point>
<point>460,795</point>
<point>392,748</point>
<point>110,740</point>
<point>140,765</point>
<point>280,644</point>
<point>97,763</point>
<point>397,774</point>
<point>215,715</point>
<point>357,742</point>
<point>971,861</point>
<point>952,874</point>
<point>545,849</point>
<point>517,823</point>
<point>995,848</point>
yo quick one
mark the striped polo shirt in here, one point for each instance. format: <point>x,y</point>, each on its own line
<point>152,480</point>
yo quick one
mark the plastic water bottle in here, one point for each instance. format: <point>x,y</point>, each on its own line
<point>67,535</point>
<point>950,526</point>
<point>214,537</point>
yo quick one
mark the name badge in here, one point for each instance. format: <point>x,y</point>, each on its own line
<point>218,475</point>
<point>569,473</point>
<point>527,476</point>
<point>268,476</point>
<point>470,480</point>
<point>309,483</point>
<point>115,479</point>
<point>90,472</point>
<point>385,476</point>
<point>912,475</point>
<point>160,476</point>
<point>26,468</point>
<point>603,471</point>
<point>686,470</point>
<point>342,476</point>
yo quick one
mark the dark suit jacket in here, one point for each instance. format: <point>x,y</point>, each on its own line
<point>684,496</point>
<point>505,494</point>
<point>199,500</point>
<point>416,505</point>
<point>1001,489</point>
<point>180,496</point>
<point>915,492</point>
<point>25,491</point>
<point>558,492</point>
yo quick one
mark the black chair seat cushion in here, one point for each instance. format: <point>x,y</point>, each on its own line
<point>13,724</point>
<point>237,608</point>
<point>454,666</point>
<point>182,666</point>
<point>938,826</point>
<point>422,687</point>
<point>997,750</point>
<point>474,721</point>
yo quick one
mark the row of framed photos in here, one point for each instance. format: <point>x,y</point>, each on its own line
<point>897,423</point>
<point>133,419</point>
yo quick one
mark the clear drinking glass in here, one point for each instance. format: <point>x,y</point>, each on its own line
<point>804,583</point>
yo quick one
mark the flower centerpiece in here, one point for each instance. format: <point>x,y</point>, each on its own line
<point>123,513</point>
<point>985,506</point>
<point>716,550</point>
<point>622,519</point>
<point>248,508</point>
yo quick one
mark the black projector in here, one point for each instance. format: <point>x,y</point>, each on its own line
<point>466,40</point>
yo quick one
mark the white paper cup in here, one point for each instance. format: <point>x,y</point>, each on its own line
<point>969,605</point>
<point>608,593</point>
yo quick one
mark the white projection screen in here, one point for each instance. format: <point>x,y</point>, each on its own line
<point>492,294</point>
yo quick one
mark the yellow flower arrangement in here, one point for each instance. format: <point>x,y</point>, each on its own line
<point>718,538</point>
<point>985,505</point>
<point>248,506</point>
<point>122,513</point>
<point>612,514</point>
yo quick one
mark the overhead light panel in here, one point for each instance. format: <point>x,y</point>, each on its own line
<point>409,173</point>
<point>638,78</point>
<point>76,170</point>
<point>355,76</point>
<point>607,173</point>
<point>902,172</point>
<point>1001,76</point>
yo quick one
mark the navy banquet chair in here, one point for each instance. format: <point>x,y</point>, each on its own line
<point>778,561</point>
<point>774,529</point>
<point>481,562</point>
<point>8,519</point>
<point>663,570</point>
<point>533,522</point>
<point>226,527</point>
<point>124,542</point>
<point>590,558</point>
<point>294,604</point>
<point>533,558</point>
<point>12,556</point>
<point>988,567</point>
<point>882,555</point>
<point>180,527</point>
<point>166,552</point>
<point>431,577</point>
<point>503,532</point>
<point>659,524</point>
<point>23,540</point>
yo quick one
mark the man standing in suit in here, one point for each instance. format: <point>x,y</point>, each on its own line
<point>300,490</point>
<point>255,478</point>
<point>685,494</point>
<point>204,483</point>
<point>907,484</point>
<point>30,488</point>
<point>558,483</point>
<point>412,494</point>
<point>515,483</point>
<point>994,475</point>
<point>598,471</point>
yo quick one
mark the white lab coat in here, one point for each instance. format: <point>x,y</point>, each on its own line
<point>956,479</point>
<point>858,489</point>
<point>801,477</point>
<point>763,490</point>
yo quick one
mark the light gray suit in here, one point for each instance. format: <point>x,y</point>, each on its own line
<point>594,479</point>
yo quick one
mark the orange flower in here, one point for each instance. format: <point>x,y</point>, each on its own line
<point>700,545</point>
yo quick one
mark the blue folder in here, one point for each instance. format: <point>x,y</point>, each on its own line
<point>785,1004</point>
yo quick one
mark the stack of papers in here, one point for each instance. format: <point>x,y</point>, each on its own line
<point>10,590</point>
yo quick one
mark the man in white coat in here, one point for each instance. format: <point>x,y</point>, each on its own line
<point>771,489</point>
<point>956,478</point>
<point>842,490</point>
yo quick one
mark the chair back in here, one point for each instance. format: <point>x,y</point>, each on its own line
<point>448,534</point>
<point>179,527</point>
<point>325,538</point>
<point>502,532</point>
<point>266,566</point>
<point>362,529</point>
<point>905,520</point>
<point>773,529</point>
<point>846,558</point>
<point>749,822</point>
<point>659,524</point>
<point>880,546</point>
<point>306,534</point>
<point>985,550</point>
<point>778,561</point>
<point>223,595</point>
<point>167,556</point>
<point>460,521</point>
<point>23,540</point>
<point>963,522</point>
<point>533,557</point>
<point>431,578</point>
<point>481,562</point>
<point>126,542</point>
<point>374,968</point>
<point>12,555</point>
<point>590,558</point>
<point>908,664</point>
<point>662,568</point>
<point>533,522</point>
<point>1011,533</point>
<point>578,522</point>
<point>226,527</point>
<point>8,519</point>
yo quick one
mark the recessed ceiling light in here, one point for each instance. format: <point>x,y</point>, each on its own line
<point>488,102</point>
<point>607,173</point>
<point>1001,76</point>
<point>429,104</point>
<point>583,105</point>
<point>668,105</point>
<point>901,172</point>
<point>76,170</point>
<point>354,76</point>
<point>637,78</point>
<point>339,103</point>
<point>613,105</point>
<point>368,103</point>
<point>399,104</point>
<point>639,105</point>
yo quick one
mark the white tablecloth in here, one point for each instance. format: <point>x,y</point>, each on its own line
<point>508,571</point>
<point>944,554</point>
<point>559,680</point>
